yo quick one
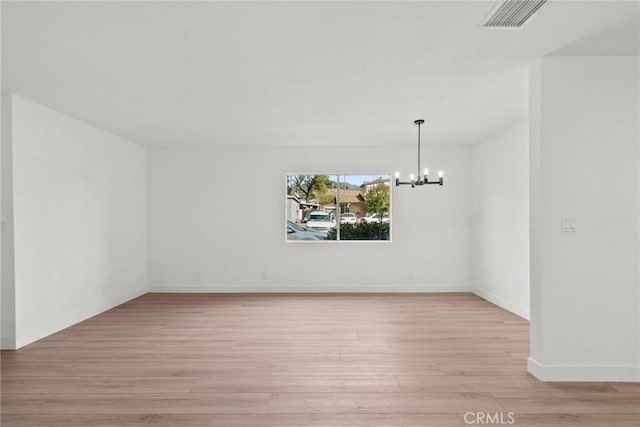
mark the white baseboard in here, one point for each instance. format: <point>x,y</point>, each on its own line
<point>71,318</point>
<point>323,288</point>
<point>583,373</point>
<point>494,299</point>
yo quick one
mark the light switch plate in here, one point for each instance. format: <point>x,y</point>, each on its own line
<point>569,224</point>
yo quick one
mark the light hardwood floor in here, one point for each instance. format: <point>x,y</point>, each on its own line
<point>297,360</point>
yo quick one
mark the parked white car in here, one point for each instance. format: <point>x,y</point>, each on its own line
<point>319,220</point>
<point>375,218</point>
<point>348,218</point>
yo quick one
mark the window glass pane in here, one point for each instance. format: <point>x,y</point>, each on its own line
<point>321,207</point>
<point>365,204</point>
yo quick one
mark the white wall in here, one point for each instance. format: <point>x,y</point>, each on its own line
<point>500,218</point>
<point>7,287</point>
<point>585,286</point>
<point>80,220</point>
<point>216,223</point>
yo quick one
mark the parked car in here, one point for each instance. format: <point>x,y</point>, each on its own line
<point>368,218</point>
<point>375,218</point>
<point>295,232</point>
<point>320,220</point>
<point>348,218</point>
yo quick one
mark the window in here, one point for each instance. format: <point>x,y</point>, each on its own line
<point>330,207</point>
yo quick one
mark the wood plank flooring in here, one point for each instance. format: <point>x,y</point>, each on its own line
<point>297,360</point>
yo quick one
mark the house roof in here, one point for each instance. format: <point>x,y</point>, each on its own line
<point>348,196</point>
<point>300,202</point>
<point>384,181</point>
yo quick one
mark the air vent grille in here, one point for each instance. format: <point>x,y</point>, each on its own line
<point>512,13</point>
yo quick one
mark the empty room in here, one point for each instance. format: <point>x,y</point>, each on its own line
<point>306,213</point>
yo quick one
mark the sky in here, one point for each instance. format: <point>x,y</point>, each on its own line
<point>357,180</point>
<point>353,179</point>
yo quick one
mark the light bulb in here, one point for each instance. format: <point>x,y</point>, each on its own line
<point>426,171</point>
<point>440,174</point>
<point>412,177</point>
<point>397,174</point>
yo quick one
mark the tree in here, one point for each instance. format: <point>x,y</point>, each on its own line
<point>324,198</point>
<point>377,199</point>
<point>307,186</point>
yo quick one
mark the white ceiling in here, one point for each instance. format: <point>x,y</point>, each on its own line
<point>294,73</point>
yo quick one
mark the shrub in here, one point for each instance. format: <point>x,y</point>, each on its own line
<point>361,231</point>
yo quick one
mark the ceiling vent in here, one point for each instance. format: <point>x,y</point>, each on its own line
<point>512,14</point>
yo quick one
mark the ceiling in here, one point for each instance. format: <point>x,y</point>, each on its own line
<point>294,73</point>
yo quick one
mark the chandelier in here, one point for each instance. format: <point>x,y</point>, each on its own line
<point>424,180</point>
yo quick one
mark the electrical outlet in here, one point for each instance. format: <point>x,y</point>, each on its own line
<point>569,224</point>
